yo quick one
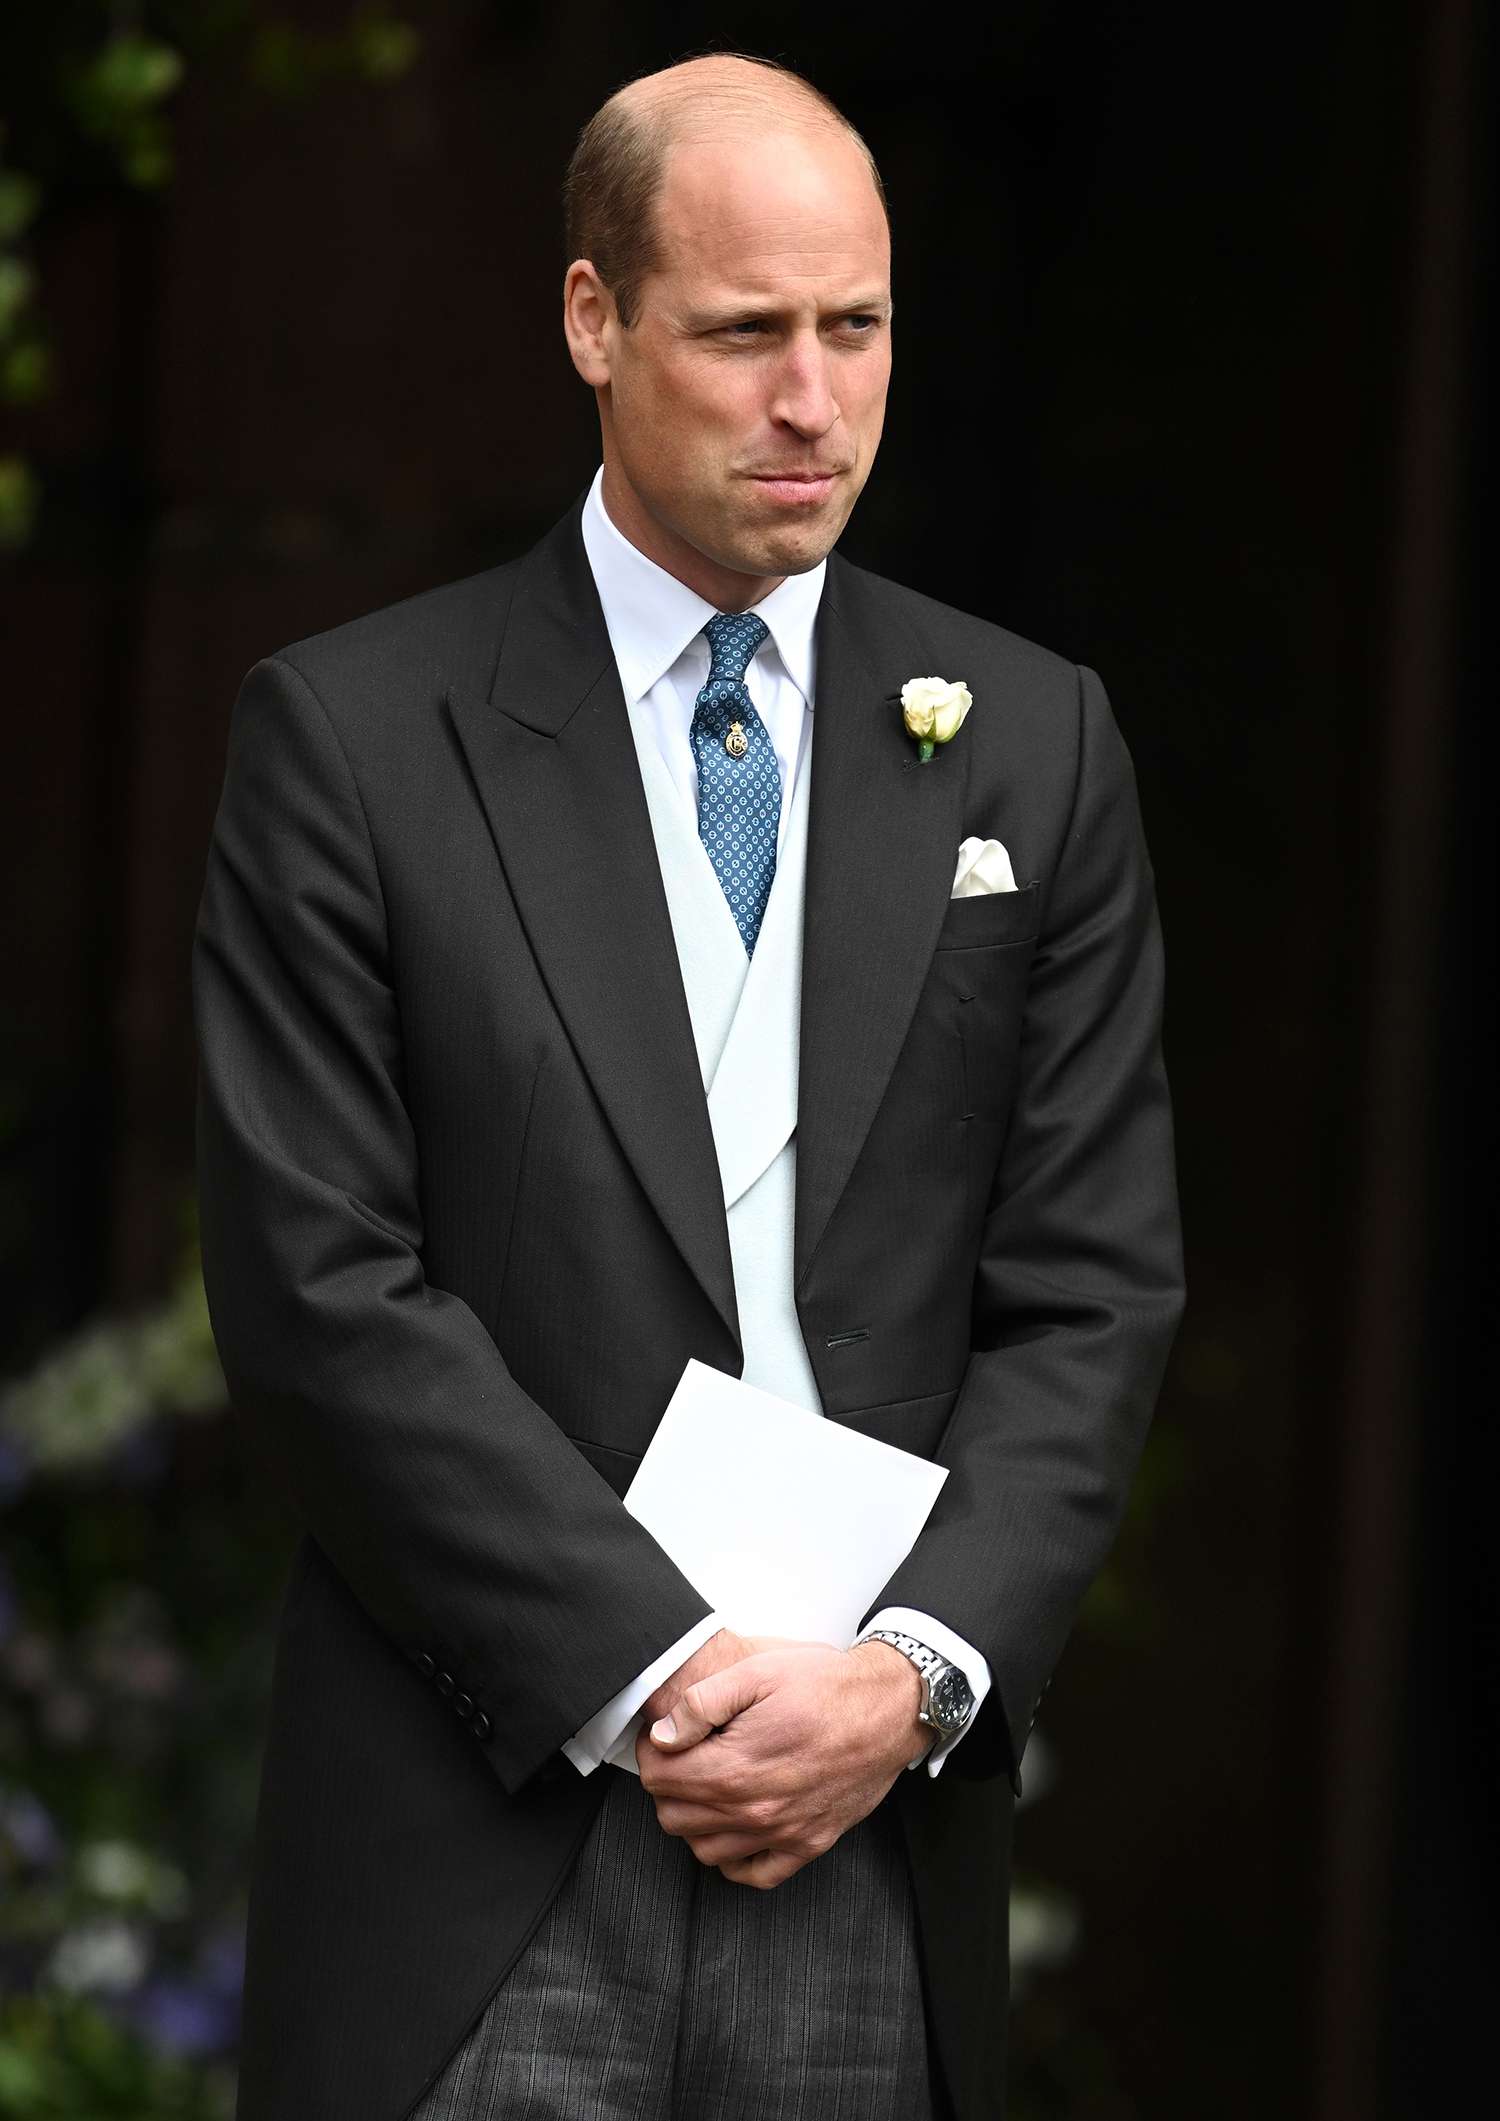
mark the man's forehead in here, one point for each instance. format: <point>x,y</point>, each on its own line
<point>745,232</point>
<point>736,178</point>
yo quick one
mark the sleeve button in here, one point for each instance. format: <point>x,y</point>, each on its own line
<point>444,1684</point>
<point>462,1704</point>
<point>481,1725</point>
<point>425,1664</point>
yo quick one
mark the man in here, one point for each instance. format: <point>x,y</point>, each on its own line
<point>581,989</point>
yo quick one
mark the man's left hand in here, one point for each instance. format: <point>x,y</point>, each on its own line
<point>770,1760</point>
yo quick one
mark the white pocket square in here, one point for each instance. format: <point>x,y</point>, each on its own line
<point>983,865</point>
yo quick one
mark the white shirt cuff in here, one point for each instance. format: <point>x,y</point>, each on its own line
<point>904,1620</point>
<point>611,1731</point>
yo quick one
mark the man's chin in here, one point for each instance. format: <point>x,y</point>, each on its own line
<point>793,549</point>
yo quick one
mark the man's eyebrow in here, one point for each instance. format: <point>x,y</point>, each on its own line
<point>755,307</point>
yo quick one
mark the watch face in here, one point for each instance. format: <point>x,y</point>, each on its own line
<point>952,1700</point>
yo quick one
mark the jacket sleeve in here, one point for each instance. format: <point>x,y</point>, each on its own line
<point>1078,1287</point>
<point>458,1513</point>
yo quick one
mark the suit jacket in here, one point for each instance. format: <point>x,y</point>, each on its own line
<point>463,1225</point>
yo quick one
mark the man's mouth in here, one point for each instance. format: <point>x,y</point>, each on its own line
<point>796,486</point>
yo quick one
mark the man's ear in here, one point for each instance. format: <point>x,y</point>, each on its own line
<point>589,322</point>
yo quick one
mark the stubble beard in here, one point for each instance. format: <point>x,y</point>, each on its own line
<point>762,550</point>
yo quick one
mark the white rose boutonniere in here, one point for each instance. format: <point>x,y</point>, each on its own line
<point>933,711</point>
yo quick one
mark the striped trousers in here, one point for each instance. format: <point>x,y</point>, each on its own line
<point>655,1990</point>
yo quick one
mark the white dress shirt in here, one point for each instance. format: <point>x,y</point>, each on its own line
<point>655,626</point>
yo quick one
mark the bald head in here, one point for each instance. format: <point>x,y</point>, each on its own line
<point>615,177</point>
<point>725,89</point>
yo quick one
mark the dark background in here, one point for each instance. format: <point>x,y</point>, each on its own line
<point>1192,317</point>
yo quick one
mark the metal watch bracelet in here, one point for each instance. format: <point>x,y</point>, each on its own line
<point>930,1667</point>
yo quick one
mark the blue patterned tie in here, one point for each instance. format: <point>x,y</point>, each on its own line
<point>739,780</point>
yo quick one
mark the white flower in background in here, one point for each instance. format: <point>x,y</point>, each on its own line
<point>123,1871</point>
<point>110,1380</point>
<point>100,1957</point>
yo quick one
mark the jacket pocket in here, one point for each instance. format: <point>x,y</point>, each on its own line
<point>991,919</point>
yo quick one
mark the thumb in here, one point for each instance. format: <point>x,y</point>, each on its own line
<point>708,1705</point>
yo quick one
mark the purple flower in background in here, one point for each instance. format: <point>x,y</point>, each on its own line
<point>13,1471</point>
<point>197,2013</point>
<point>221,1960</point>
<point>27,1826</point>
<point>185,2017</point>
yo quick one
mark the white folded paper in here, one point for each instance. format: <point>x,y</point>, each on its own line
<point>788,1523</point>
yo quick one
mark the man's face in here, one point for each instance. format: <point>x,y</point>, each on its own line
<point>744,405</point>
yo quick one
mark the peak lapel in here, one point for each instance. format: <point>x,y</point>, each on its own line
<point>883,838</point>
<point>556,768</point>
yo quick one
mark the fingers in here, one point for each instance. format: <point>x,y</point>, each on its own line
<point>675,1815</point>
<point>720,1649</point>
<point>740,1671</point>
<point>715,1850</point>
<point>755,1845</point>
<point>767,1868</point>
<point>708,1705</point>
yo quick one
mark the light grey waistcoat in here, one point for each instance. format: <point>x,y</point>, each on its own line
<point>746,1014</point>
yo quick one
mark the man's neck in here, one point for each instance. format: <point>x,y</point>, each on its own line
<point>722,587</point>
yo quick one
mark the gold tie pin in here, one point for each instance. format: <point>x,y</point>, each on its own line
<point>736,743</point>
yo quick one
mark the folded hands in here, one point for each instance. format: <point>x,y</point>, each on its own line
<point>760,1752</point>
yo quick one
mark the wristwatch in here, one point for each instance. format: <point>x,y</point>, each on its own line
<point>947,1697</point>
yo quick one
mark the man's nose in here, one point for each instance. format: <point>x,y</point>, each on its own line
<point>804,397</point>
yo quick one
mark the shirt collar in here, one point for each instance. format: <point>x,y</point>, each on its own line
<point>652,617</point>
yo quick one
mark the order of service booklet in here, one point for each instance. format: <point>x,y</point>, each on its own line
<point>787,1522</point>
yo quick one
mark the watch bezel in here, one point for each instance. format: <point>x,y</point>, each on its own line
<point>949,1689</point>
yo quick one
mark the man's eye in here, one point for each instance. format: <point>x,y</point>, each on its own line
<point>861,322</point>
<point>745,327</point>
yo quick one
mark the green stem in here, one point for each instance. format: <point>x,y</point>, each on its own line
<point>925,748</point>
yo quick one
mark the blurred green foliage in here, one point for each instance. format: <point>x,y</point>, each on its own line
<point>116,94</point>
<point>88,88</point>
<point>71,2060</point>
<point>142,1563</point>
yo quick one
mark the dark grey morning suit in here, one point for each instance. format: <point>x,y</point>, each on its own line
<point>653,1988</point>
<point>462,1228</point>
